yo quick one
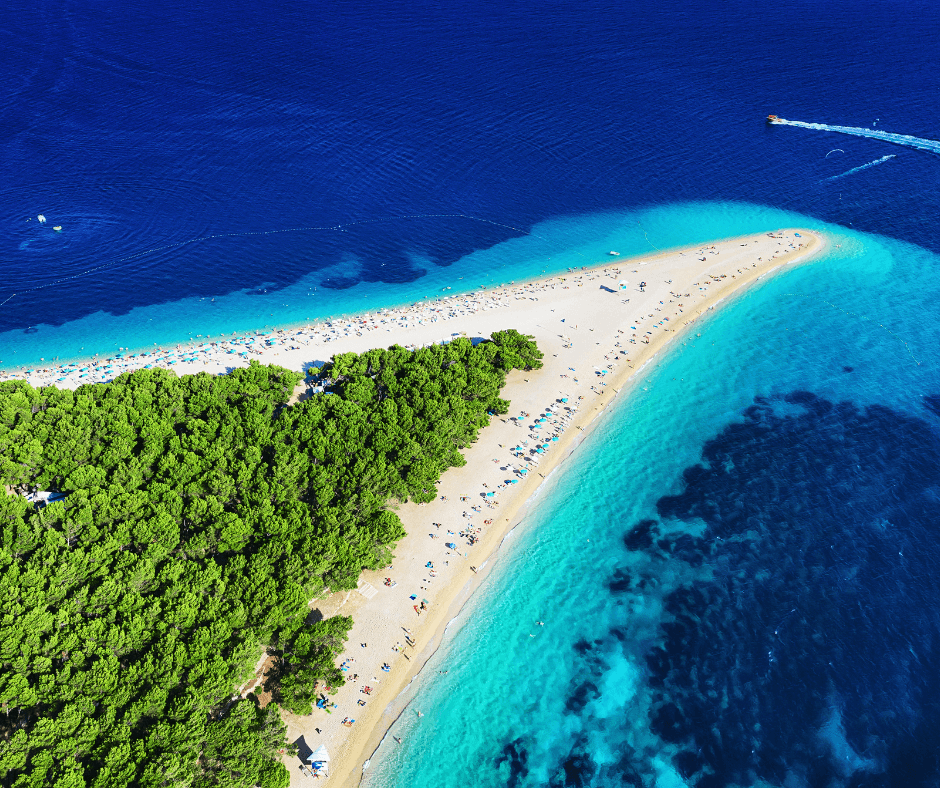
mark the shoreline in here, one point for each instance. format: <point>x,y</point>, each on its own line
<point>600,327</point>
<point>170,354</point>
<point>379,611</point>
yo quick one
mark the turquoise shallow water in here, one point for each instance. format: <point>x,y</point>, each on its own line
<point>571,702</point>
<point>552,246</point>
<point>140,131</point>
<point>623,683</point>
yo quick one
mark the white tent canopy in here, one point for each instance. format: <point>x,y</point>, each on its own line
<point>321,755</point>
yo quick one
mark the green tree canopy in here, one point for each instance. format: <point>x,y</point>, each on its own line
<point>201,514</point>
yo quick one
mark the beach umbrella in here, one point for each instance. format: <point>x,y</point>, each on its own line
<point>320,755</point>
<point>554,437</point>
<point>319,760</point>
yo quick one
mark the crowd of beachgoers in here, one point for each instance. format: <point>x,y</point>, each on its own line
<point>223,353</point>
<point>465,520</point>
<point>231,351</point>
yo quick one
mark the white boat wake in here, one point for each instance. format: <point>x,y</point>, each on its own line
<point>863,167</point>
<point>919,143</point>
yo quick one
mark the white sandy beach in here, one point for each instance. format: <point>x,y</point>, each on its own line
<point>598,327</point>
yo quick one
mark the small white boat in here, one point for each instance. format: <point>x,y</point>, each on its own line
<point>42,219</point>
<point>615,254</point>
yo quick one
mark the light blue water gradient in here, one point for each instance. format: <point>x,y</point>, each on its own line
<point>551,247</point>
<point>865,306</point>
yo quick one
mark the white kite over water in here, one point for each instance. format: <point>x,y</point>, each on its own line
<point>919,143</point>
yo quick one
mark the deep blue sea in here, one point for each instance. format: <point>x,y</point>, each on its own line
<point>738,571</point>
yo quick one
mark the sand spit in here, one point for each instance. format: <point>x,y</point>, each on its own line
<point>598,327</point>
